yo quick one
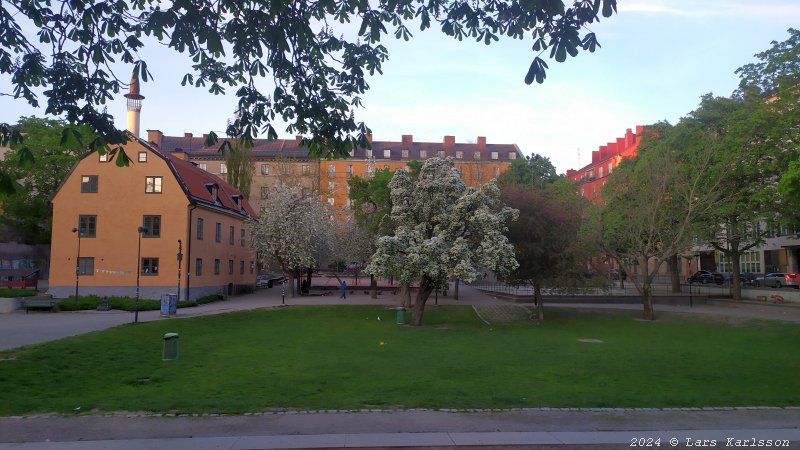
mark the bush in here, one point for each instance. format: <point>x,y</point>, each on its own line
<point>14,292</point>
<point>89,302</point>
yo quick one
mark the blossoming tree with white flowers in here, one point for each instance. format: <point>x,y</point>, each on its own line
<point>292,231</point>
<point>443,228</point>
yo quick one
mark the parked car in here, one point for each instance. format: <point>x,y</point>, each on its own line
<point>746,278</point>
<point>705,277</point>
<point>778,279</point>
<point>615,274</point>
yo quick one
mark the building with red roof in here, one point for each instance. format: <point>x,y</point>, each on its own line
<point>162,220</point>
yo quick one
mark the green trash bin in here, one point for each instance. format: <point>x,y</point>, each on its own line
<point>401,318</point>
<point>170,346</point>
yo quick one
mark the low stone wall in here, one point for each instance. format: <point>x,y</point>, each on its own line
<point>8,305</point>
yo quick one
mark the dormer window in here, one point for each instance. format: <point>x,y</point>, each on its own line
<point>213,189</point>
<point>237,199</point>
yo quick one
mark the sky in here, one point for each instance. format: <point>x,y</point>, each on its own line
<point>657,59</point>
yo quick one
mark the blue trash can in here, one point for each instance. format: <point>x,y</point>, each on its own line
<point>169,305</point>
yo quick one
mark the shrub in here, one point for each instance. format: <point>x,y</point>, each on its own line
<point>89,302</point>
<point>14,292</point>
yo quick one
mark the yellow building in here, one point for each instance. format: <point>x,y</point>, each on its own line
<point>162,220</point>
<point>286,161</point>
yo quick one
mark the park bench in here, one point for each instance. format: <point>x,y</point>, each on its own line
<point>39,302</point>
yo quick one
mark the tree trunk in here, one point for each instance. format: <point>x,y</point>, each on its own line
<point>308,278</point>
<point>405,295</point>
<point>299,275</point>
<point>425,289</point>
<point>455,290</point>
<point>291,292</point>
<point>736,268</point>
<point>537,296</point>
<point>647,299</point>
<point>672,264</point>
<point>373,287</point>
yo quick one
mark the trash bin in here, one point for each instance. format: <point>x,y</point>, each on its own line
<point>401,319</point>
<point>170,346</point>
<point>169,304</point>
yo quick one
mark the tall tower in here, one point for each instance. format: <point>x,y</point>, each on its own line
<point>134,105</point>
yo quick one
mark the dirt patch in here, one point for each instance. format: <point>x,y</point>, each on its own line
<point>591,341</point>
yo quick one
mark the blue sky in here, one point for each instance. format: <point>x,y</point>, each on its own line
<point>657,59</point>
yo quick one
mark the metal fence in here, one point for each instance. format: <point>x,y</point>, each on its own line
<point>661,286</point>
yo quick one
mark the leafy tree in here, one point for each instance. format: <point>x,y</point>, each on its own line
<point>34,168</point>
<point>241,165</point>
<point>545,236</point>
<point>774,80</point>
<point>442,228</point>
<point>292,231</point>
<point>317,74</point>
<point>652,203</point>
<point>535,170</point>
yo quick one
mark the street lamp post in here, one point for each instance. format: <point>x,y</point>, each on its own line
<point>139,230</point>
<point>77,263</point>
<point>180,258</point>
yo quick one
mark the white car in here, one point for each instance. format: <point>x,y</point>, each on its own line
<point>777,279</point>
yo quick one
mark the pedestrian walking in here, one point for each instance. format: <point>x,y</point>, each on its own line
<point>344,290</point>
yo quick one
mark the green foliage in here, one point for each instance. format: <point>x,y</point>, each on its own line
<point>330,358</point>
<point>318,74</point>
<point>37,165</point>
<point>240,163</point>
<point>13,292</point>
<point>789,187</point>
<point>91,302</point>
<point>535,170</point>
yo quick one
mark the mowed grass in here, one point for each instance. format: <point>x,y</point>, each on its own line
<point>331,358</point>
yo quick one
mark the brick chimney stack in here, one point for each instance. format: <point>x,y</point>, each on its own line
<point>297,139</point>
<point>449,141</point>
<point>155,137</point>
<point>408,140</point>
<point>481,142</point>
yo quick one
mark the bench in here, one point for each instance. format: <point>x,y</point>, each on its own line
<point>39,302</point>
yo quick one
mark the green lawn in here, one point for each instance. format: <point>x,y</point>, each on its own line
<point>330,358</point>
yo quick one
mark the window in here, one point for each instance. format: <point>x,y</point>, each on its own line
<point>264,192</point>
<point>230,267</point>
<point>495,155</point>
<point>149,266</point>
<point>476,155</point>
<point>478,173</point>
<point>103,157</point>
<point>223,168</point>
<point>89,183</point>
<point>241,238</point>
<point>600,172</point>
<point>441,154</point>
<point>152,185</point>
<point>232,236</point>
<point>87,226</point>
<point>610,165</point>
<point>459,155</point>
<point>142,156</point>
<point>286,169</point>
<point>264,169</point>
<point>199,229</point>
<point>152,226</point>
<point>306,169</point>
<point>330,201</point>
<point>202,166</point>
<point>331,186</point>
<point>423,153</point>
<point>347,204</point>
<point>218,232</point>
<point>85,266</point>
<point>387,153</point>
<point>241,267</point>
<point>198,267</point>
<point>349,170</point>
<point>512,155</point>
<point>404,153</point>
<point>331,170</point>
<point>216,267</point>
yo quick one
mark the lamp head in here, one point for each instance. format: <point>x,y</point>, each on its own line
<point>142,229</point>
<point>74,230</point>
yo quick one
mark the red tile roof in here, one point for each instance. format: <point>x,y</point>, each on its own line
<point>196,181</point>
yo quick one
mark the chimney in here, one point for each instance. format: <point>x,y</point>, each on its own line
<point>639,130</point>
<point>187,135</point>
<point>481,142</point>
<point>449,141</point>
<point>408,140</point>
<point>571,173</point>
<point>180,154</point>
<point>369,138</point>
<point>155,137</point>
<point>629,140</point>
<point>134,105</point>
<point>621,144</point>
<point>612,148</point>
<point>205,137</point>
<point>595,156</point>
<point>297,139</point>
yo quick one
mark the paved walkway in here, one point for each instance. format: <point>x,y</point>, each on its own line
<point>539,428</point>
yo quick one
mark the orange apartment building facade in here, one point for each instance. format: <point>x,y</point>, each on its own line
<point>183,209</point>
<point>286,161</point>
